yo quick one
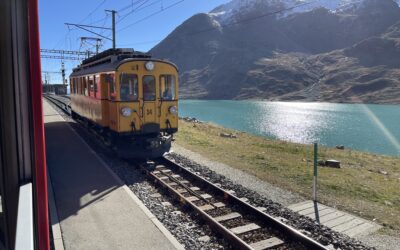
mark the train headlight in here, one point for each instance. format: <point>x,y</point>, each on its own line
<point>149,66</point>
<point>126,111</point>
<point>173,110</point>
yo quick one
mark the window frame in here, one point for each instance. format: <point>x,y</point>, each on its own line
<point>155,88</point>
<point>174,89</point>
<point>137,87</point>
<point>111,86</point>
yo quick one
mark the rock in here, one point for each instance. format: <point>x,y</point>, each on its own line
<point>388,203</point>
<point>204,239</point>
<point>341,147</point>
<point>332,163</point>
<point>383,172</point>
<point>176,213</point>
<point>225,135</point>
<point>190,119</point>
<point>166,203</point>
<point>155,195</point>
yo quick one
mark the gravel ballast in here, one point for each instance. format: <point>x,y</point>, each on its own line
<point>322,234</point>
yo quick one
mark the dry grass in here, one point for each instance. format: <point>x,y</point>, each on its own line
<point>358,187</point>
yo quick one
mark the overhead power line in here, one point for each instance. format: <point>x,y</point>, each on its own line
<point>61,57</point>
<point>252,18</point>
<point>151,15</point>
<point>135,9</point>
<point>93,11</point>
<point>223,25</point>
<point>66,52</point>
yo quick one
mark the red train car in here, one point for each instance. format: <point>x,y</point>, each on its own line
<point>23,183</point>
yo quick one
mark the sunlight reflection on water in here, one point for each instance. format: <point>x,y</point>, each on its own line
<point>295,122</point>
<point>327,123</point>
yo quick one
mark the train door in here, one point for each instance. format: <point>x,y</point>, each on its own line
<point>150,98</point>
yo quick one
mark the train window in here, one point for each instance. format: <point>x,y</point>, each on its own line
<point>149,88</point>
<point>75,85</point>
<point>111,83</point>
<point>85,87</point>
<point>167,87</point>
<point>91,85</point>
<point>78,86</point>
<point>96,80</point>
<point>96,85</point>
<point>129,87</point>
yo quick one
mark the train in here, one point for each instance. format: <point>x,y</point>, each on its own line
<point>130,99</point>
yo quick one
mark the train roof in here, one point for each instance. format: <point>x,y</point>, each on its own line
<point>110,60</point>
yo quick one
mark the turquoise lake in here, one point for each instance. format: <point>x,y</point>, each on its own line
<point>371,128</point>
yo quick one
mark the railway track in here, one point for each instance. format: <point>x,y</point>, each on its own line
<point>243,225</point>
<point>60,101</point>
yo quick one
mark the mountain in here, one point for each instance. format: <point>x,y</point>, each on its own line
<point>339,51</point>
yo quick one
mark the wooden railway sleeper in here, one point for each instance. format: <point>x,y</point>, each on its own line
<point>188,189</point>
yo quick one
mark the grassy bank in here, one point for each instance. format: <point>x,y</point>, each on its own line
<point>367,185</point>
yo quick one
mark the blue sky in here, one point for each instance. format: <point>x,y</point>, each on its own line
<point>142,36</point>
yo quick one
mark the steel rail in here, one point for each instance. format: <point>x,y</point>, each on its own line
<point>267,219</point>
<point>238,243</point>
<point>64,106</point>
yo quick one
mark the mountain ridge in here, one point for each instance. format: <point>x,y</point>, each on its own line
<point>302,56</point>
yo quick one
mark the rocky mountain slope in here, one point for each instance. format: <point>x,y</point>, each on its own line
<point>338,51</point>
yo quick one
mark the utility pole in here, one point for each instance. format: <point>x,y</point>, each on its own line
<point>98,42</point>
<point>86,27</point>
<point>113,12</point>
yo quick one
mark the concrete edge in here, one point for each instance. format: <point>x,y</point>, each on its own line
<point>55,223</point>
<point>143,207</point>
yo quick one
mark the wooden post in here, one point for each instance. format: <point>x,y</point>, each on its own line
<point>315,172</point>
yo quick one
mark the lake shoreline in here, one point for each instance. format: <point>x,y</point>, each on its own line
<point>369,128</point>
<point>295,101</point>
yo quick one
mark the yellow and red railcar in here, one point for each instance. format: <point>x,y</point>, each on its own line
<point>131,98</point>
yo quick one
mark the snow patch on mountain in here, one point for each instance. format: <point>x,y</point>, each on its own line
<point>225,12</point>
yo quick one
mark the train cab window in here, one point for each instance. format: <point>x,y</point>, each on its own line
<point>167,87</point>
<point>129,87</point>
<point>149,88</point>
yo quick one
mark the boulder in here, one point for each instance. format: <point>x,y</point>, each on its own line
<point>226,135</point>
<point>332,163</point>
